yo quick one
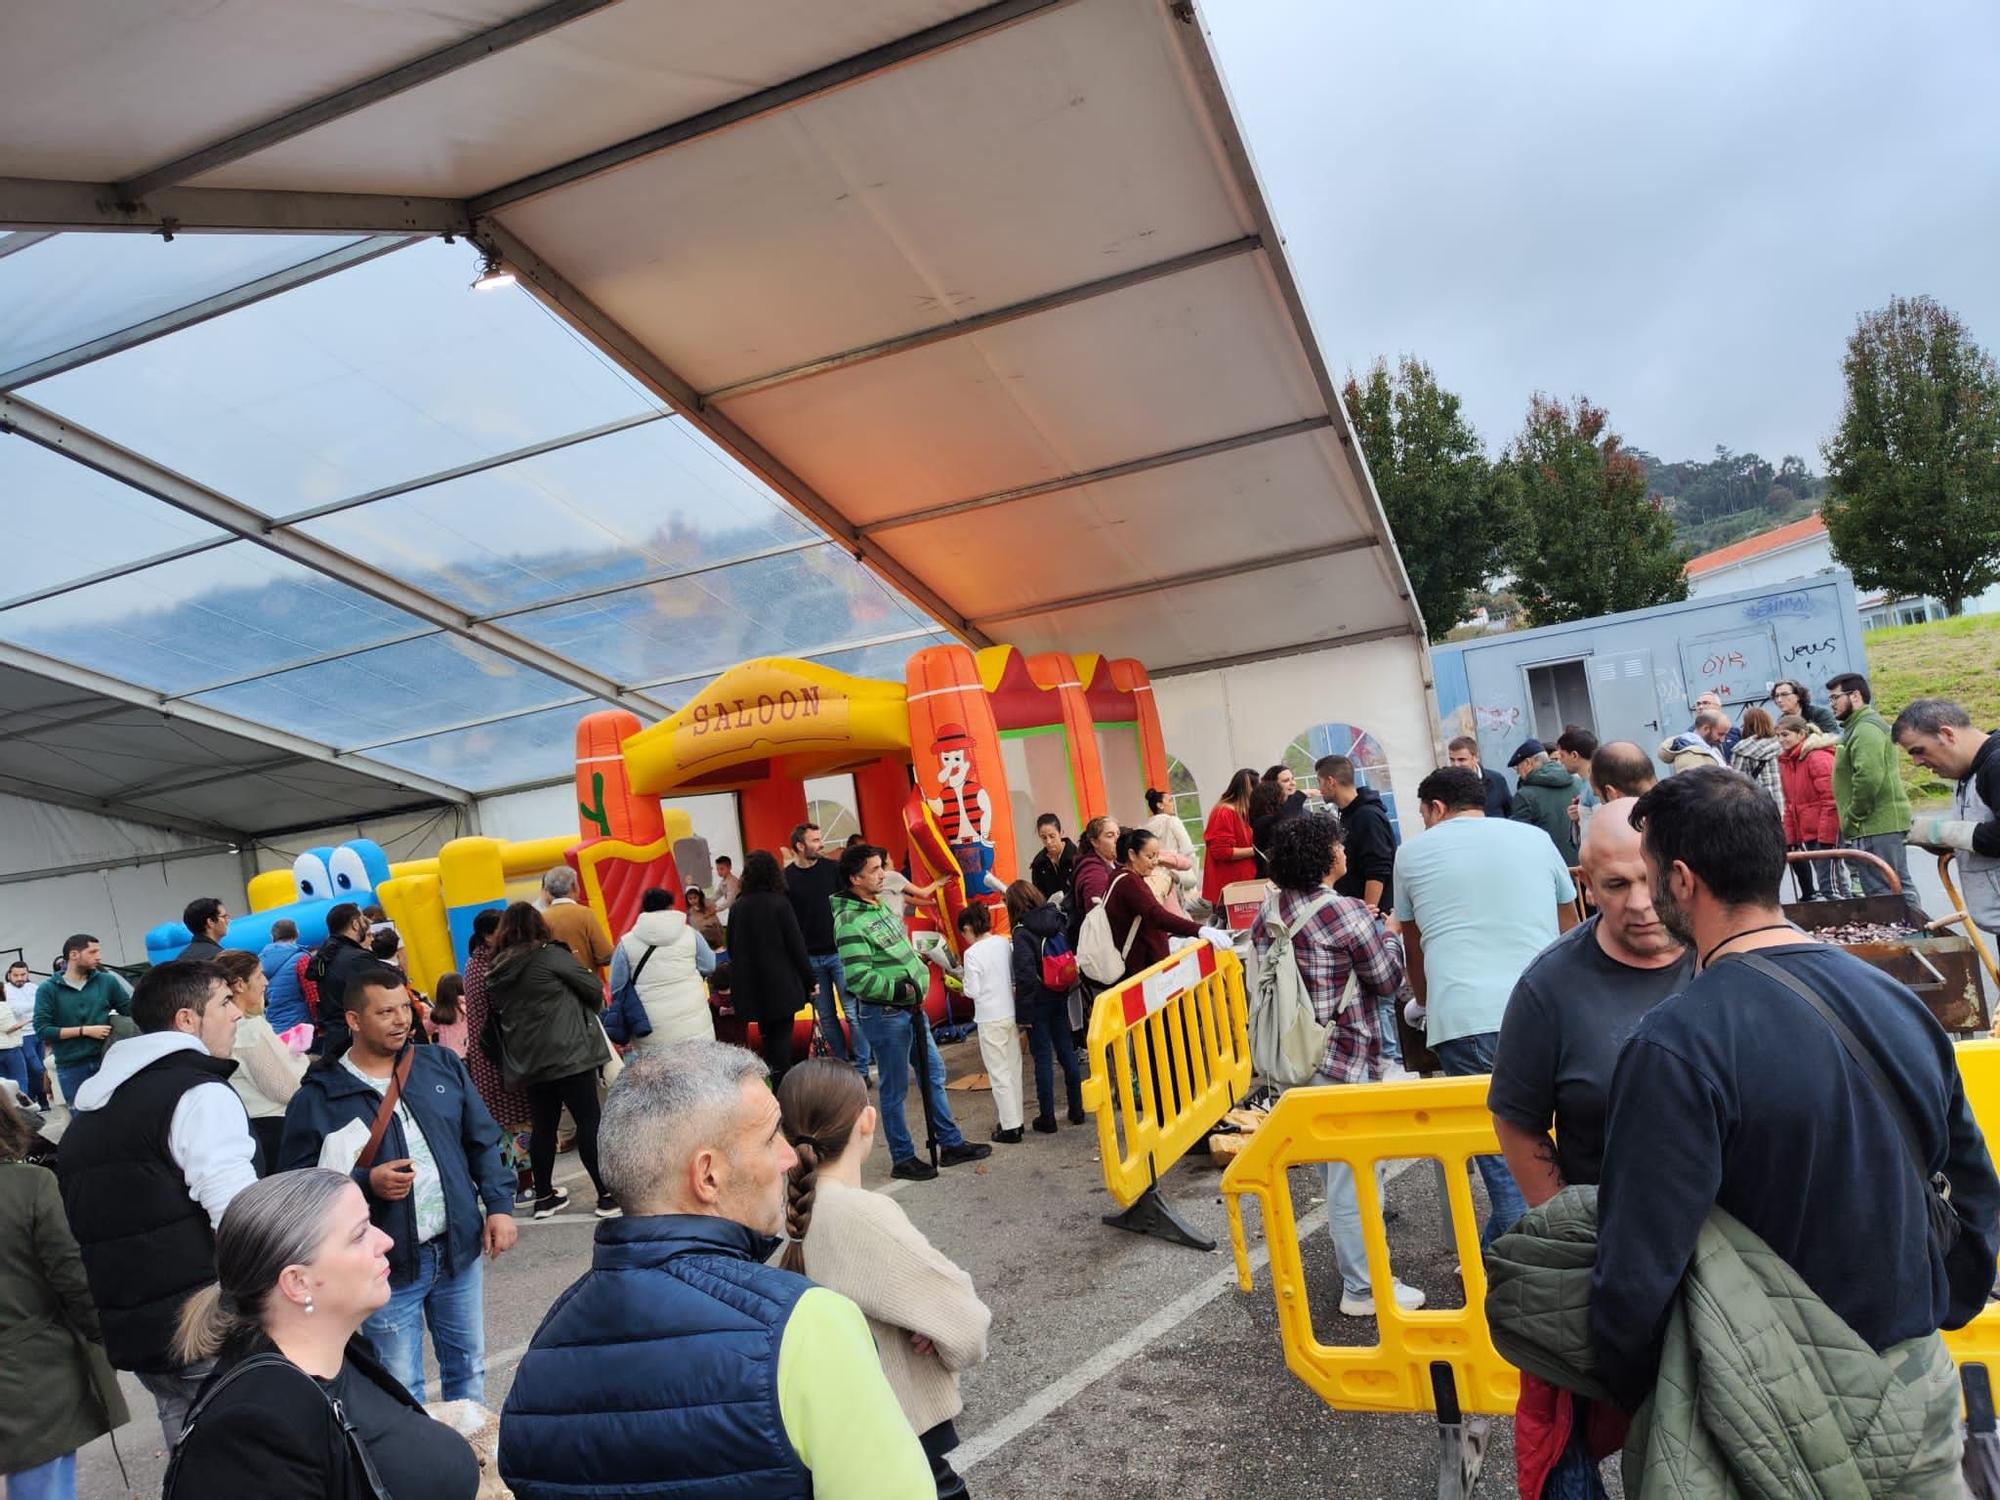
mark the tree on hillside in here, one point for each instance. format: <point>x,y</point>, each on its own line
<point>1447,507</point>
<point>1914,468</point>
<point>1589,540</point>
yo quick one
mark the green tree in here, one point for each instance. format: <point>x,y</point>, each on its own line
<point>1447,507</point>
<point>1914,468</point>
<point>1589,540</point>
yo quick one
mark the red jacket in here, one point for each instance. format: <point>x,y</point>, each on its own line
<point>1807,776</point>
<point>1226,830</point>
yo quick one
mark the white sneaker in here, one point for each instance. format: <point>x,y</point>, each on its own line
<point>1408,1298</point>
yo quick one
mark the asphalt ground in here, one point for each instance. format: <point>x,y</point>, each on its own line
<point>1118,1363</point>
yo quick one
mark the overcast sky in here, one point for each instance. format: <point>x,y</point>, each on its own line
<point>1676,209</point>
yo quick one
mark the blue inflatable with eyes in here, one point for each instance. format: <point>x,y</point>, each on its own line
<point>325,877</point>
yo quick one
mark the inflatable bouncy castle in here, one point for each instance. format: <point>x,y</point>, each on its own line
<point>951,768</point>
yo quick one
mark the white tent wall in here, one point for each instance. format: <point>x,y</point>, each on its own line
<point>116,904</point>
<point>1246,715</point>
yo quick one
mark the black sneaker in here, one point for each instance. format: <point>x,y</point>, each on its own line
<point>915,1169</point>
<point>524,1197</point>
<point>1008,1137</point>
<point>554,1204</point>
<point>1077,1117</point>
<point>607,1207</point>
<point>964,1151</point>
<point>1045,1124</point>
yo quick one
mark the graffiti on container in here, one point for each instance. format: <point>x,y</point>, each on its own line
<point>1720,661</point>
<point>1498,720</point>
<point>1799,605</point>
<point>1811,649</point>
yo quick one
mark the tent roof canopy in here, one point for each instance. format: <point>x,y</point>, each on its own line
<point>846,330</point>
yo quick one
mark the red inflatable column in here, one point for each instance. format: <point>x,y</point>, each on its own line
<point>880,790</point>
<point>769,810</point>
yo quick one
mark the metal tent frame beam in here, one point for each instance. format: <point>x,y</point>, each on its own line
<point>1098,476</point>
<point>563,298</point>
<point>1184,580</point>
<point>100,453</point>
<point>1276,653</point>
<point>398,80</point>
<point>39,205</point>
<point>297,746</point>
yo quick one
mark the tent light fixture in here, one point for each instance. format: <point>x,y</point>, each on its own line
<point>492,274</point>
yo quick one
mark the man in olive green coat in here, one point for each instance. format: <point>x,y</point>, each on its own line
<point>1874,808</point>
<point>1544,795</point>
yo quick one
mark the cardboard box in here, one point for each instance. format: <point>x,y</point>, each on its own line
<point>1240,899</point>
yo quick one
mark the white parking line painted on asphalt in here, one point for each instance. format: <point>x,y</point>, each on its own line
<point>1054,1397</point>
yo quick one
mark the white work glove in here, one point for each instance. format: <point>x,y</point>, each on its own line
<point>1413,1012</point>
<point>1218,937</point>
<point>1936,831</point>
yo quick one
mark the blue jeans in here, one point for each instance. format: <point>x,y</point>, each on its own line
<point>454,1308</point>
<point>14,1066</point>
<point>1461,1057</point>
<point>1343,1219</point>
<point>888,1031</point>
<point>1048,1038</point>
<point>828,975</point>
<point>72,1079</point>
<point>54,1480</point>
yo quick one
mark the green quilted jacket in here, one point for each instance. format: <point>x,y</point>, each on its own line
<point>875,951</point>
<point>1763,1391</point>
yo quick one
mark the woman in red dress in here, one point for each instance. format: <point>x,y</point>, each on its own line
<point>1231,854</point>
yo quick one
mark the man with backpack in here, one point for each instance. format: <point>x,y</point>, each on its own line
<point>1310,940</point>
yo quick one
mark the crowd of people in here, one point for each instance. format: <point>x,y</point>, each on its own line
<point>261,1225</point>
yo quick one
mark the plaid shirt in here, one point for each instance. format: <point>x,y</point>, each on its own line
<point>1342,938</point>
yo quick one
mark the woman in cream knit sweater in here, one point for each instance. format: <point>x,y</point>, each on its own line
<point>927,1320</point>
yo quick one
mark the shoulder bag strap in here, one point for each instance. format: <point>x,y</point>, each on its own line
<point>376,1487</point>
<point>1138,919</point>
<point>1863,1059</point>
<point>1318,905</point>
<point>640,967</point>
<point>391,1097</point>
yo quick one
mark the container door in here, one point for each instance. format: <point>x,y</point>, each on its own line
<point>1627,703</point>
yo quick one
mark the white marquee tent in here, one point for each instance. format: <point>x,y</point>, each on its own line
<point>836,331</point>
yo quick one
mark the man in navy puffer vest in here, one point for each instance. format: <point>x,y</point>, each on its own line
<point>680,1359</point>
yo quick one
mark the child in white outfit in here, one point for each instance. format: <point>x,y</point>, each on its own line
<point>989,980</point>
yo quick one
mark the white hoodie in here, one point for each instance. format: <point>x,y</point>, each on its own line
<point>670,985</point>
<point>209,1137</point>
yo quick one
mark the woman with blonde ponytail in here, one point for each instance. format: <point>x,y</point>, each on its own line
<point>928,1322</point>
<point>298,1405</point>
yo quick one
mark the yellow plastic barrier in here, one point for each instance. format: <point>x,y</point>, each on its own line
<point>1362,1125</point>
<point>1445,1119</point>
<point>1176,1038</point>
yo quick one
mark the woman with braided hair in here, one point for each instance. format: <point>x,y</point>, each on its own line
<point>927,1319</point>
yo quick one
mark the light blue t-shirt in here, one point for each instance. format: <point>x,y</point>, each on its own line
<point>1483,893</point>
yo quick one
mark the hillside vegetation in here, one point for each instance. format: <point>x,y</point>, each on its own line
<point>1957,659</point>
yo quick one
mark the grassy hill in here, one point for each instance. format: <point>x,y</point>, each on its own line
<point>1958,659</point>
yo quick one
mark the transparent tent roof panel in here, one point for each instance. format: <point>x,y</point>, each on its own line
<point>71,289</point>
<point>405,689</point>
<point>65,521</point>
<point>197,620</point>
<point>533,747</point>
<point>598,513</point>
<point>789,606</point>
<point>382,374</point>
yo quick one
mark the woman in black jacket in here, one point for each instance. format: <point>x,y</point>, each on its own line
<point>1038,934</point>
<point>298,1404</point>
<point>770,976</point>
<point>552,1043</point>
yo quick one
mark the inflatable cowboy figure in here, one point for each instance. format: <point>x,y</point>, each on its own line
<point>964,809</point>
